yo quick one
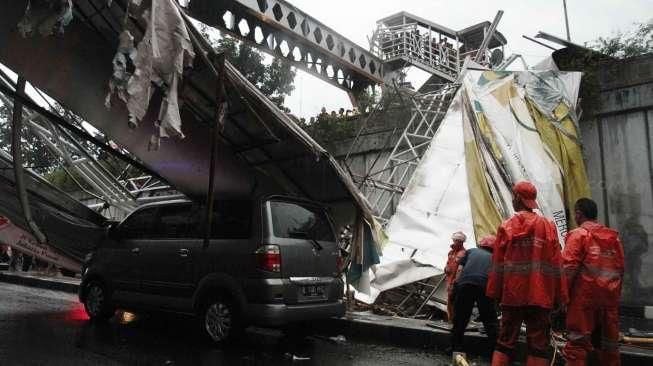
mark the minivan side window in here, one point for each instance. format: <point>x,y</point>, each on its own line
<point>139,225</point>
<point>231,220</point>
<point>298,221</point>
<point>173,222</point>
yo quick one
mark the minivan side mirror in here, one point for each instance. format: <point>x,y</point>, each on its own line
<point>112,231</point>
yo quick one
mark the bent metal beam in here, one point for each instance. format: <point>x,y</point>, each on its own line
<point>285,31</point>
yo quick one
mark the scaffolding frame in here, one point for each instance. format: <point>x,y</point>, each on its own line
<point>389,182</point>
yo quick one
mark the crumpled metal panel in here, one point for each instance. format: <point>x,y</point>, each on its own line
<point>71,228</point>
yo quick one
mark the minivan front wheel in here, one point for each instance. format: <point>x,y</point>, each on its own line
<point>97,302</point>
<point>220,320</point>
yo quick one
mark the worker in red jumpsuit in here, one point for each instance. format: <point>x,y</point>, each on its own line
<point>593,261</point>
<point>456,253</point>
<point>526,278</point>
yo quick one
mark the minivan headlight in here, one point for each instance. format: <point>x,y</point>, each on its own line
<point>88,257</point>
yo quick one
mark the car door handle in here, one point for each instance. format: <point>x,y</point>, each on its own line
<point>136,250</point>
<point>184,252</point>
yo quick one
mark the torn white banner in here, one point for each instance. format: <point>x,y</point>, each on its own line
<point>46,16</point>
<point>434,205</point>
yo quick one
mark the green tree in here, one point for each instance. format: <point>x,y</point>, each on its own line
<point>637,42</point>
<point>34,153</point>
<point>275,80</point>
<point>367,99</point>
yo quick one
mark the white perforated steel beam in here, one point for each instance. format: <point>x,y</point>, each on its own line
<point>285,31</point>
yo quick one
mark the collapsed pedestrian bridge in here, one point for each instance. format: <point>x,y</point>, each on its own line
<point>224,137</point>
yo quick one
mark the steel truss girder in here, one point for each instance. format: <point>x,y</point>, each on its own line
<point>388,183</point>
<point>102,182</point>
<point>312,46</point>
<point>119,193</point>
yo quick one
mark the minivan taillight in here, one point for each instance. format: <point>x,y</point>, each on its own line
<point>268,258</point>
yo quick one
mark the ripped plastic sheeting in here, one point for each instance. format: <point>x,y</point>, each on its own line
<point>48,17</point>
<point>499,99</point>
<point>550,88</point>
<point>159,62</point>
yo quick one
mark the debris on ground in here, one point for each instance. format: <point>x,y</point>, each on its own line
<point>416,300</point>
<point>460,359</point>
<point>294,358</point>
<point>339,339</point>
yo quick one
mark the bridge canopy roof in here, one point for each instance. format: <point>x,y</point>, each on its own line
<point>260,149</point>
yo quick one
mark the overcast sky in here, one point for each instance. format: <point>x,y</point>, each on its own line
<point>356,19</point>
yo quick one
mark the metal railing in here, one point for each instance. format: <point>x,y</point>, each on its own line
<point>437,54</point>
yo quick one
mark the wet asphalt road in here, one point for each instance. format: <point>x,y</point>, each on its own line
<point>43,327</point>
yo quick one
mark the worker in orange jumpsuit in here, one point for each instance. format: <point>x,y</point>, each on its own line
<point>526,278</point>
<point>593,261</point>
<point>456,253</point>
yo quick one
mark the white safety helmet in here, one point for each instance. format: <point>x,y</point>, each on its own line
<point>459,236</point>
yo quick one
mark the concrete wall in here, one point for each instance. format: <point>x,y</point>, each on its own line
<point>370,151</point>
<point>617,138</point>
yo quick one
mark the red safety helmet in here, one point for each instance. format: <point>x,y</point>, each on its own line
<point>527,193</point>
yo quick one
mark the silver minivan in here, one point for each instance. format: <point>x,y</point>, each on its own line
<point>271,261</point>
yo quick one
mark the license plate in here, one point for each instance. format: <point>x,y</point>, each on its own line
<point>313,291</point>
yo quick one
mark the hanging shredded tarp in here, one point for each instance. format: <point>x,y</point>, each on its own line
<point>158,62</point>
<point>502,127</point>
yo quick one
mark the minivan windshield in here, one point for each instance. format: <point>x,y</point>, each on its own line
<point>298,221</point>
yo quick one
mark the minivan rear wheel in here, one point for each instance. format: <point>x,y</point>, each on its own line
<point>97,302</point>
<point>220,320</point>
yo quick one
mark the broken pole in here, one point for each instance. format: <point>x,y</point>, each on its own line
<point>564,4</point>
<point>215,129</point>
<point>488,36</point>
<point>16,152</point>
